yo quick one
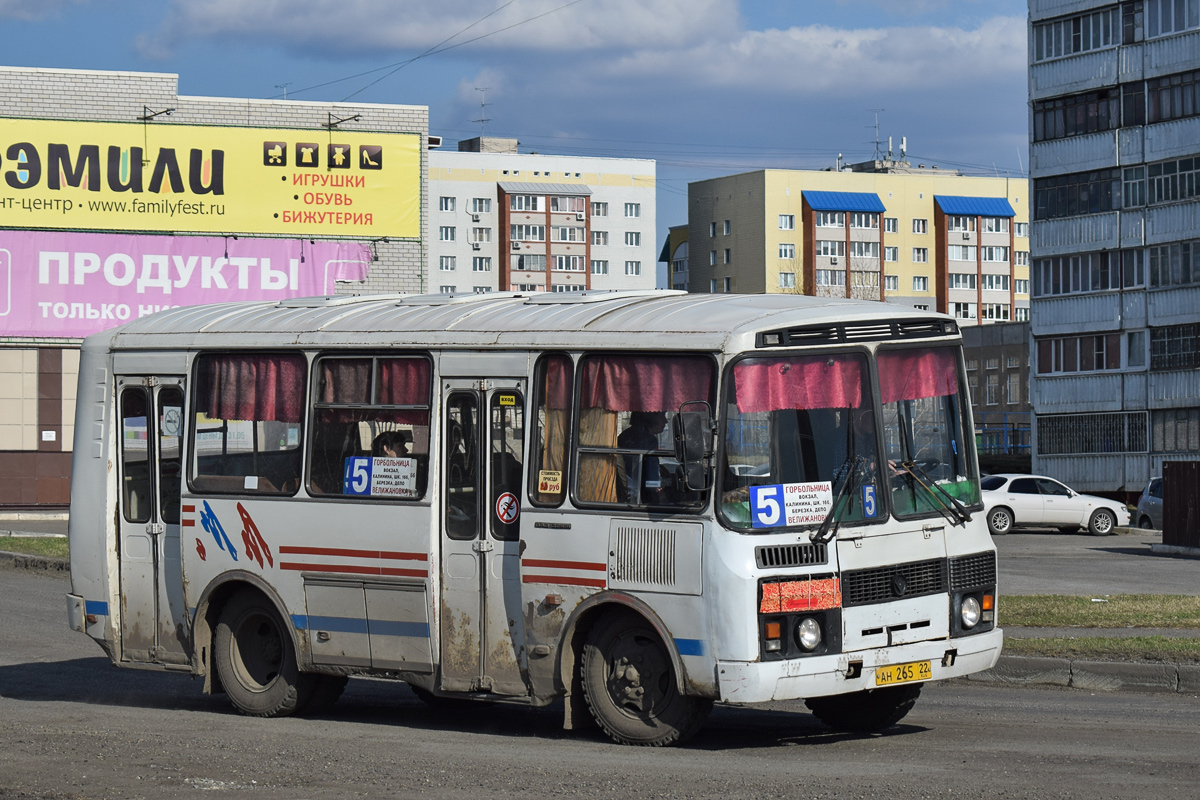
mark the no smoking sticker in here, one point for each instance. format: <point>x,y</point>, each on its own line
<point>507,507</point>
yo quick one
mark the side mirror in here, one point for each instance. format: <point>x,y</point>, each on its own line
<point>694,430</point>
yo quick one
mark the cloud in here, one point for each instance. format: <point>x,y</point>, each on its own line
<point>354,27</point>
<point>29,11</point>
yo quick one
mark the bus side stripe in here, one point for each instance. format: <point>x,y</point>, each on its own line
<point>564,580</point>
<point>690,647</point>
<point>353,569</point>
<point>590,565</point>
<point>337,551</point>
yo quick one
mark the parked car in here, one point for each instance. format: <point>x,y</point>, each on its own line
<point>1149,509</point>
<point>1011,500</point>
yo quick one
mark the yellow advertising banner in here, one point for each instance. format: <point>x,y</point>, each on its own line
<point>118,176</point>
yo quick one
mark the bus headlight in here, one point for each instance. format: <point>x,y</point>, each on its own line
<point>808,634</point>
<point>969,612</point>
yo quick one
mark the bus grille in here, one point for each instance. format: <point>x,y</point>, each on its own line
<point>855,332</point>
<point>973,571</point>
<point>643,556</point>
<point>885,584</point>
<point>791,555</point>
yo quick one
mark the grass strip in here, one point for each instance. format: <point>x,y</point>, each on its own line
<point>1143,648</point>
<point>1116,611</point>
<point>49,546</point>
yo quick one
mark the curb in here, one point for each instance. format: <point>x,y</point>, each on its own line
<point>1094,676</point>
<point>30,562</point>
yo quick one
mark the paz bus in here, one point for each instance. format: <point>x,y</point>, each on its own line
<point>640,502</point>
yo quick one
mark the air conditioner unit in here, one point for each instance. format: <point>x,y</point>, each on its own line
<point>966,236</point>
<point>833,261</point>
<point>474,218</point>
<point>516,245</point>
<point>579,215</point>
<point>475,245</point>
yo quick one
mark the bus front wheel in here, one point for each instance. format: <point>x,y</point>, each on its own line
<point>631,688</point>
<point>867,711</point>
<point>256,660</point>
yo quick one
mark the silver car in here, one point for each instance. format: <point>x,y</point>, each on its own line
<point>1149,508</point>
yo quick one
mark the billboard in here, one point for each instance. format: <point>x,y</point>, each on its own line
<point>58,284</point>
<point>130,176</point>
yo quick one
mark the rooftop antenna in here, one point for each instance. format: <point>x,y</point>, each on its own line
<point>877,142</point>
<point>283,86</point>
<point>484,119</point>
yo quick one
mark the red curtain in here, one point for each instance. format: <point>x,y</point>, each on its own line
<point>643,383</point>
<point>913,374</point>
<point>403,382</point>
<point>262,388</point>
<point>777,384</point>
<point>559,381</point>
<point>346,380</point>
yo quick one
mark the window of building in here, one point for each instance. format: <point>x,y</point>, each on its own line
<point>481,235</point>
<point>528,287</point>
<point>727,256</point>
<point>447,289</point>
<point>1021,258</point>
<point>1071,434</point>
<point>1168,181</point>
<point>1135,349</point>
<point>831,247</point>
<point>1021,230</point>
<point>567,287</point>
<point>864,249</point>
<point>1020,286</point>
<point>482,289</point>
<point>528,262</point>
<point>600,266</point>
<point>728,227</point>
<point>1021,314</point>
<point>920,255</point>
<point>679,265</point>
<point>831,277</point>
<point>831,219</point>
<point>961,252</point>
<point>993,390</point>
<point>891,254</point>
<point>891,225</point>
<point>569,263</point>
<point>1175,347</point>
<point>972,364</point>
<point>962,280</point>
<point>921,306</point>
<point>599,209</point>
<point>633,238</point>
<point>712,230</point>
<point>525,202</point>
<point>599,237</point>
<point>787,222</point>
<point>728,285</point>
<point>964,310</point>
<point>891,283</point>
<point>920,283</point>
<point>481,205</point>
<point>1173,96</point>
<point>865,278</point>
<point>787,251</point>
<point>1088,272</point>
<point>1175,430</point>
<point>994,283</point>
<point>1013,397</point>
<point>446,203</point>
<point>528,233</point>
<point>712,286</point>
<point>712,258</point>
<point>447,263</point>
<point>996,311</point>
<point>1077,115</point>
<point>991,363</point>
<point>863,219</point>
<point>1091,353</point>
<point>1133,187</point>
<point>633,209</point>
<point>920,226</point>
<point>564,233</point>
<point>1078,34</point>
<point>787,280</point>
<point>964,224</point>
<point>995,224</point>
<point>446,233</point>
<point>481,263</point>
<point>633,268</point>
<point>1170,16</point>
<point>568,204</point>
<point>1077,193</point>
<point>995,253</point>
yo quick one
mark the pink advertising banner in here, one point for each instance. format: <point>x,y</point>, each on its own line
<point>74,284</point>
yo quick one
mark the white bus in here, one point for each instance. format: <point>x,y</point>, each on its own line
<point>643,502</point>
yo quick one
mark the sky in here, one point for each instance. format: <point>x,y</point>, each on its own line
<point>703,87</point>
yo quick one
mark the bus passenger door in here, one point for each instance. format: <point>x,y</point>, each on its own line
<point>482,466</point>
<point>154,622</point>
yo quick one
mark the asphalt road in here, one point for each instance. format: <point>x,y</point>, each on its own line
<point>73,726</point>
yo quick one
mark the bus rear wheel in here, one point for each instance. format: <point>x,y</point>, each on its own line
<point>256,660</point>
<point>630,685</point>
<point>867,711</point>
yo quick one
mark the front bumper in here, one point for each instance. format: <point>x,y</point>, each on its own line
<point>798,678</point>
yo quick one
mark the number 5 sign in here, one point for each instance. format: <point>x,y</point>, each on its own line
<point>766,506</point>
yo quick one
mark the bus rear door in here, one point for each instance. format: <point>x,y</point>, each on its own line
<point>483,435</point>
<point>154,624</point>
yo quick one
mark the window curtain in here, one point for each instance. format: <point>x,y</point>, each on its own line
<point>555,390</point>
<point>914,374</point>
<point>400,382</point>
<point>798,383</point>
<point>262,388</point>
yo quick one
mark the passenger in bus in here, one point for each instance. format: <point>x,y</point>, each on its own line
<point>390,444</point>
<point>642,434</point>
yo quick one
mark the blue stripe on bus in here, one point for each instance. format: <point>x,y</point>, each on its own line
<point>97,607</point>
<point>690,647</point>
<point>354,625</point>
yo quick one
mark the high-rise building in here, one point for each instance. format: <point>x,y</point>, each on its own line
<point>1115,161</point>
<point>509,221</point>
<point>881,230</point>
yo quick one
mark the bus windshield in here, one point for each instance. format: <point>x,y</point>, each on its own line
<point>800,437</point>
<point>924,415</point>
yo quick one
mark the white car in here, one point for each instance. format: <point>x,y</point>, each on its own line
<point>1036,501</point>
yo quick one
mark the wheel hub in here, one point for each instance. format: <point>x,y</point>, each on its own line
<point>626,684</point>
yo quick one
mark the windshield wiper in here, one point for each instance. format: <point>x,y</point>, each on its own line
<point>955,511</point>
<point>829,525</point>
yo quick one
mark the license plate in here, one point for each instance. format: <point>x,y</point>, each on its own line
<point>903,673</point>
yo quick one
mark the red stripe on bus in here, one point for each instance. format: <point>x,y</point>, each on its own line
<point>329,568</point>
<point>405,573</point>
<point>188,523</point>
<point>337,551</point>
<point>188,509</point>
<point>537,562</point>
<point>563,580</point>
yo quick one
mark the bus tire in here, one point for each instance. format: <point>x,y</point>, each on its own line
<point>630,685</point>
<point>326,690</point>
<point>256,660</point>
<point>866,711</point>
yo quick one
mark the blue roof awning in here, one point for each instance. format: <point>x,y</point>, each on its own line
<point>844,201</point>
<point>975,206</point>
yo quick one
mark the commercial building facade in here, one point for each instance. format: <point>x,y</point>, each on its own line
<point>508,221</point>
<point>1114,158</point>
<point>882,230</point>
<point>122,196</point>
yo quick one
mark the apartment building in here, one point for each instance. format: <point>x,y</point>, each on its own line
<point>1115,160</point>
<point>501,220</point>
<point>881,230</point>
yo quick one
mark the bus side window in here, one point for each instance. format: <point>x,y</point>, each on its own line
<point>370,427</point>
<point>553,386</point>
<point>135,455</point>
